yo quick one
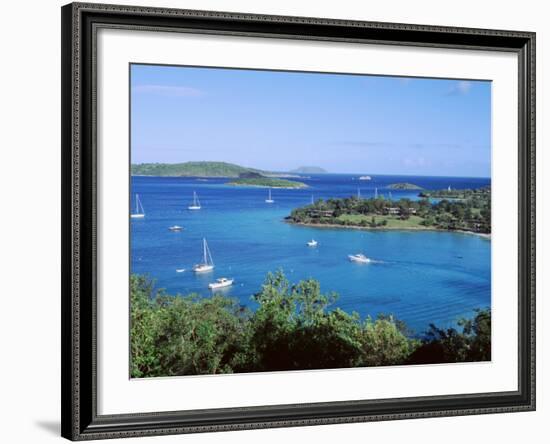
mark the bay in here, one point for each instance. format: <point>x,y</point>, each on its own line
<point>421,277</point>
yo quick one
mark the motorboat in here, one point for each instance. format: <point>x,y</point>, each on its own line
<point>360,258</point>
<point>221,283</point>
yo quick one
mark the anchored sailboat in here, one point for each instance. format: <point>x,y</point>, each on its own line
<point>196,203</point>
<point>207,263</point>
<point>139,211</point>
<point>269,199</point>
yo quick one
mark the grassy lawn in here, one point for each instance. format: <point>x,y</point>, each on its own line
<point>392,221</point>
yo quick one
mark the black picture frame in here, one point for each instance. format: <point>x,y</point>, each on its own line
<point>80,420</point>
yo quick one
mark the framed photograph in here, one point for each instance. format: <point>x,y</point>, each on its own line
<point>282,221</point>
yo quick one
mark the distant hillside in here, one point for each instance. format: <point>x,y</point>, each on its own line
<point>309,170</point>
<point>191,169</point>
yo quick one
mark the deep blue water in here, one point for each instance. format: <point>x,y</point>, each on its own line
<point>420,277</point>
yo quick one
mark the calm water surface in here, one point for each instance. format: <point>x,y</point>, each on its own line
<point>420,277</point>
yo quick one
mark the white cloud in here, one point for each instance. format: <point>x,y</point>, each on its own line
<point>170,91</point>
<point>461,87</point>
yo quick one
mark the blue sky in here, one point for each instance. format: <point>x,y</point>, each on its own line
<point>282,120</point>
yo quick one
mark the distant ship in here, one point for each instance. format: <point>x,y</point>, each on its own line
<point>365,178</point>
<point>139,211</point>
<point>196,203</point>
<point>207,263</point>
<point>312,243</point>
<point>175,228</point>
<point>361,258</point>
<point>221,283</point>
<point>269,199</point>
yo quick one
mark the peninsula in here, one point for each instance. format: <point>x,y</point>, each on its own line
<point>472,214</point>
<point>192,169</point>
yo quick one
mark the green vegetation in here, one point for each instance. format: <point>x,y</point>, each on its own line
<point>309,170</point>
<point>191,169</point>
<point>404,186</point>
<point>293,328</point>
<point>479,193</point>
<point>472,212</point>
<point>269,182</point>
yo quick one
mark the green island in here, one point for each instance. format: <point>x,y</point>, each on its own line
<point>449,193</point>
<point>309,170</point>
<point>404,186</point>
<point>472,213</point>
<point>295,327</point>
<point>268,182</point>
<point>191,169</point>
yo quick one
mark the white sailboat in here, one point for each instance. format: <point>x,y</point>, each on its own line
<point>269,199</point>
<point>139,212</point>
<point>221,283</point>
<point>312,243</point>
<point>196,203</point>
<point>207,263</point>
<point>175,228</point>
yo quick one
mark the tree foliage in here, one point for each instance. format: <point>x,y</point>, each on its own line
<point>294,327</point>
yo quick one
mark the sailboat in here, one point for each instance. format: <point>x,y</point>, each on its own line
<point>139,211</point>
<point>207,263</point>
<point>312,243</point>
<point>312,202</point>
<point>269,199</point>
<point>196,203</point>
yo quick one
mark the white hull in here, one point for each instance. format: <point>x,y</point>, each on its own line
<point>194,207</point>
<point>137,216</point>
<point>269,201</point>
<point>312,243</point>
<point>203,268</point>
<point>359,258</point>
<point>175,228</point>
<point>220,284</point>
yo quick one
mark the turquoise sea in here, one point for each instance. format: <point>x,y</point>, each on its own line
<point>420,277</point>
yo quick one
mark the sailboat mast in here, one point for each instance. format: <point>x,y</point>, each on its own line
<point>210,256</point>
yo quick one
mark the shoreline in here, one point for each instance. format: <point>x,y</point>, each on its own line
<point>304,186</point>
<point>265,186</point>
<point>354,227</point>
